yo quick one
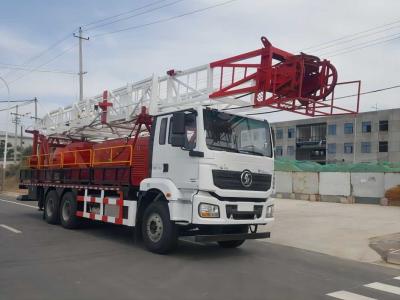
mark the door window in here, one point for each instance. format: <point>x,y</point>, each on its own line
<point>190,131</point>
<point>163,131</point>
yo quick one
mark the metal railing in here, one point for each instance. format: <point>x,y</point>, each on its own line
<point>115,155</point>
<point>77,160</point>
<point>111,155</point>
<point>53,160</point>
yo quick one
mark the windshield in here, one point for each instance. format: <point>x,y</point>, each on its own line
<point>226,132</point>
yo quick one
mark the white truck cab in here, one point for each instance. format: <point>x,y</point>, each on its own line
<point>215,169</point>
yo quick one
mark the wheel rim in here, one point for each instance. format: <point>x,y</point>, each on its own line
<point>66,211</point>
<point>154,227</point>
<point>49,207</point>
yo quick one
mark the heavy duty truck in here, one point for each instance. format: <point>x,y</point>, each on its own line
<point>177,156</point>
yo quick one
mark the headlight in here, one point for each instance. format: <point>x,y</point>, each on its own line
<point>208,210</point>
<point>270,211</point>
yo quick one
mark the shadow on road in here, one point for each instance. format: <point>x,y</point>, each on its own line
<point>125,236</point>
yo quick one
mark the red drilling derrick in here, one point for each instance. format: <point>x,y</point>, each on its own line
<point>297,83</point>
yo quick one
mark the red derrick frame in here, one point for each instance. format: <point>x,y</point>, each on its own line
<point>281,80</point>
<point>142,119</point>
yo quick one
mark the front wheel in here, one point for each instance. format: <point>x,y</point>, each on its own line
<point>159,233</point>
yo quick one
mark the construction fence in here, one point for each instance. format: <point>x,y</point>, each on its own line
<point>352,185</point>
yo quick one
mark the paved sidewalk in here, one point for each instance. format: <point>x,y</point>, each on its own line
<point>341,230</point>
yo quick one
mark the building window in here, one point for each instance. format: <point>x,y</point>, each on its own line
<point>332,129</point>
<point>365,147</point>
<point>290,150</point>
<point>331,148</point>
<point>348,148</point>
<point>383,125</point>
<point>279,133</point>
<point>348,128</point>
<point>366,126</point>
<point>278,151</point>
<point>383,146</point>
<point>290,133</point>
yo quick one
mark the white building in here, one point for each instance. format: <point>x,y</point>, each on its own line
<point>367,137</point>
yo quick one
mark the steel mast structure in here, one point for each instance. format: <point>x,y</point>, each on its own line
<point>267,77</point>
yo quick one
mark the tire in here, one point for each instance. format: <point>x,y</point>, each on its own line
<point>236,243</point>
<point>159,233</point>
<point>68,208</point>
<point>52,207</point>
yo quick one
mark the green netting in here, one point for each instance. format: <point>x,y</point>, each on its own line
<point>286,165</point>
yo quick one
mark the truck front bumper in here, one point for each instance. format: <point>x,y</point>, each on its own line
<point>224,219</point>
<point>231,237</point>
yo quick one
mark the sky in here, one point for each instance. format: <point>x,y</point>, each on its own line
<point>28,27</point>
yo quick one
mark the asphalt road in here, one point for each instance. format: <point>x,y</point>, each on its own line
<point>101,261</point>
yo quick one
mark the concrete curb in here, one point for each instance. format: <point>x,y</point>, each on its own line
<point>393,257</point>
<point>388,247</point>
<point>316,197</point>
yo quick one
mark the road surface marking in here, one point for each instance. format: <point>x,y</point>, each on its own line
<point>384,287</point>
<point>22,204</point>
<point>344,295</point>
<point>10,228</point>
<point>398,278</point>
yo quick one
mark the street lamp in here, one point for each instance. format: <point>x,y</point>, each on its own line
<point>6,137</point>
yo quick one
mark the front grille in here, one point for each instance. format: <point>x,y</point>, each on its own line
<point>233,213</point>
<point>230,180</point>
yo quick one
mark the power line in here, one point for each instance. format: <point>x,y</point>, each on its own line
<point>36,69</point>
<point>17,101</point>
<point>356,38</point>
<point>35,57</point>
<point>370,92</point>
<point>19,67</point>
<point>166,19</point>
<point>46,63</point>
<point>123,13</point>
<point>336,98</point>
<point>19,105</point>
<point>382,39</point>
<point>370,45</point>
<point>350,35</point>
<point>136,15</point>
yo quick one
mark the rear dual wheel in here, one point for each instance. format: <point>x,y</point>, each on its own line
<point>64,212</point>
<point>68,210</point>
<point>51,207</point>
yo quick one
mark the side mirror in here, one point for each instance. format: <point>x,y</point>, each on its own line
<point>178,123</point>
<point>178,129</point>
<point>178,140</point>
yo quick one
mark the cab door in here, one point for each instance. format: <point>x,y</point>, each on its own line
<point>176,162</point>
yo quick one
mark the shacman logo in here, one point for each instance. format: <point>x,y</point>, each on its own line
<point>246,178</point>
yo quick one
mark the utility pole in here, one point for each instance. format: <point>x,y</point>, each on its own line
<point>16,121</point>
<point>6,135</point>
<point>81,73</point>
<point>35,100</point>
<point>21,141</point>
<point>16,133</point>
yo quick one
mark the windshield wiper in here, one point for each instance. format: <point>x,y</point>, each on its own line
<point>224,148</point>
<point>251,152</point>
